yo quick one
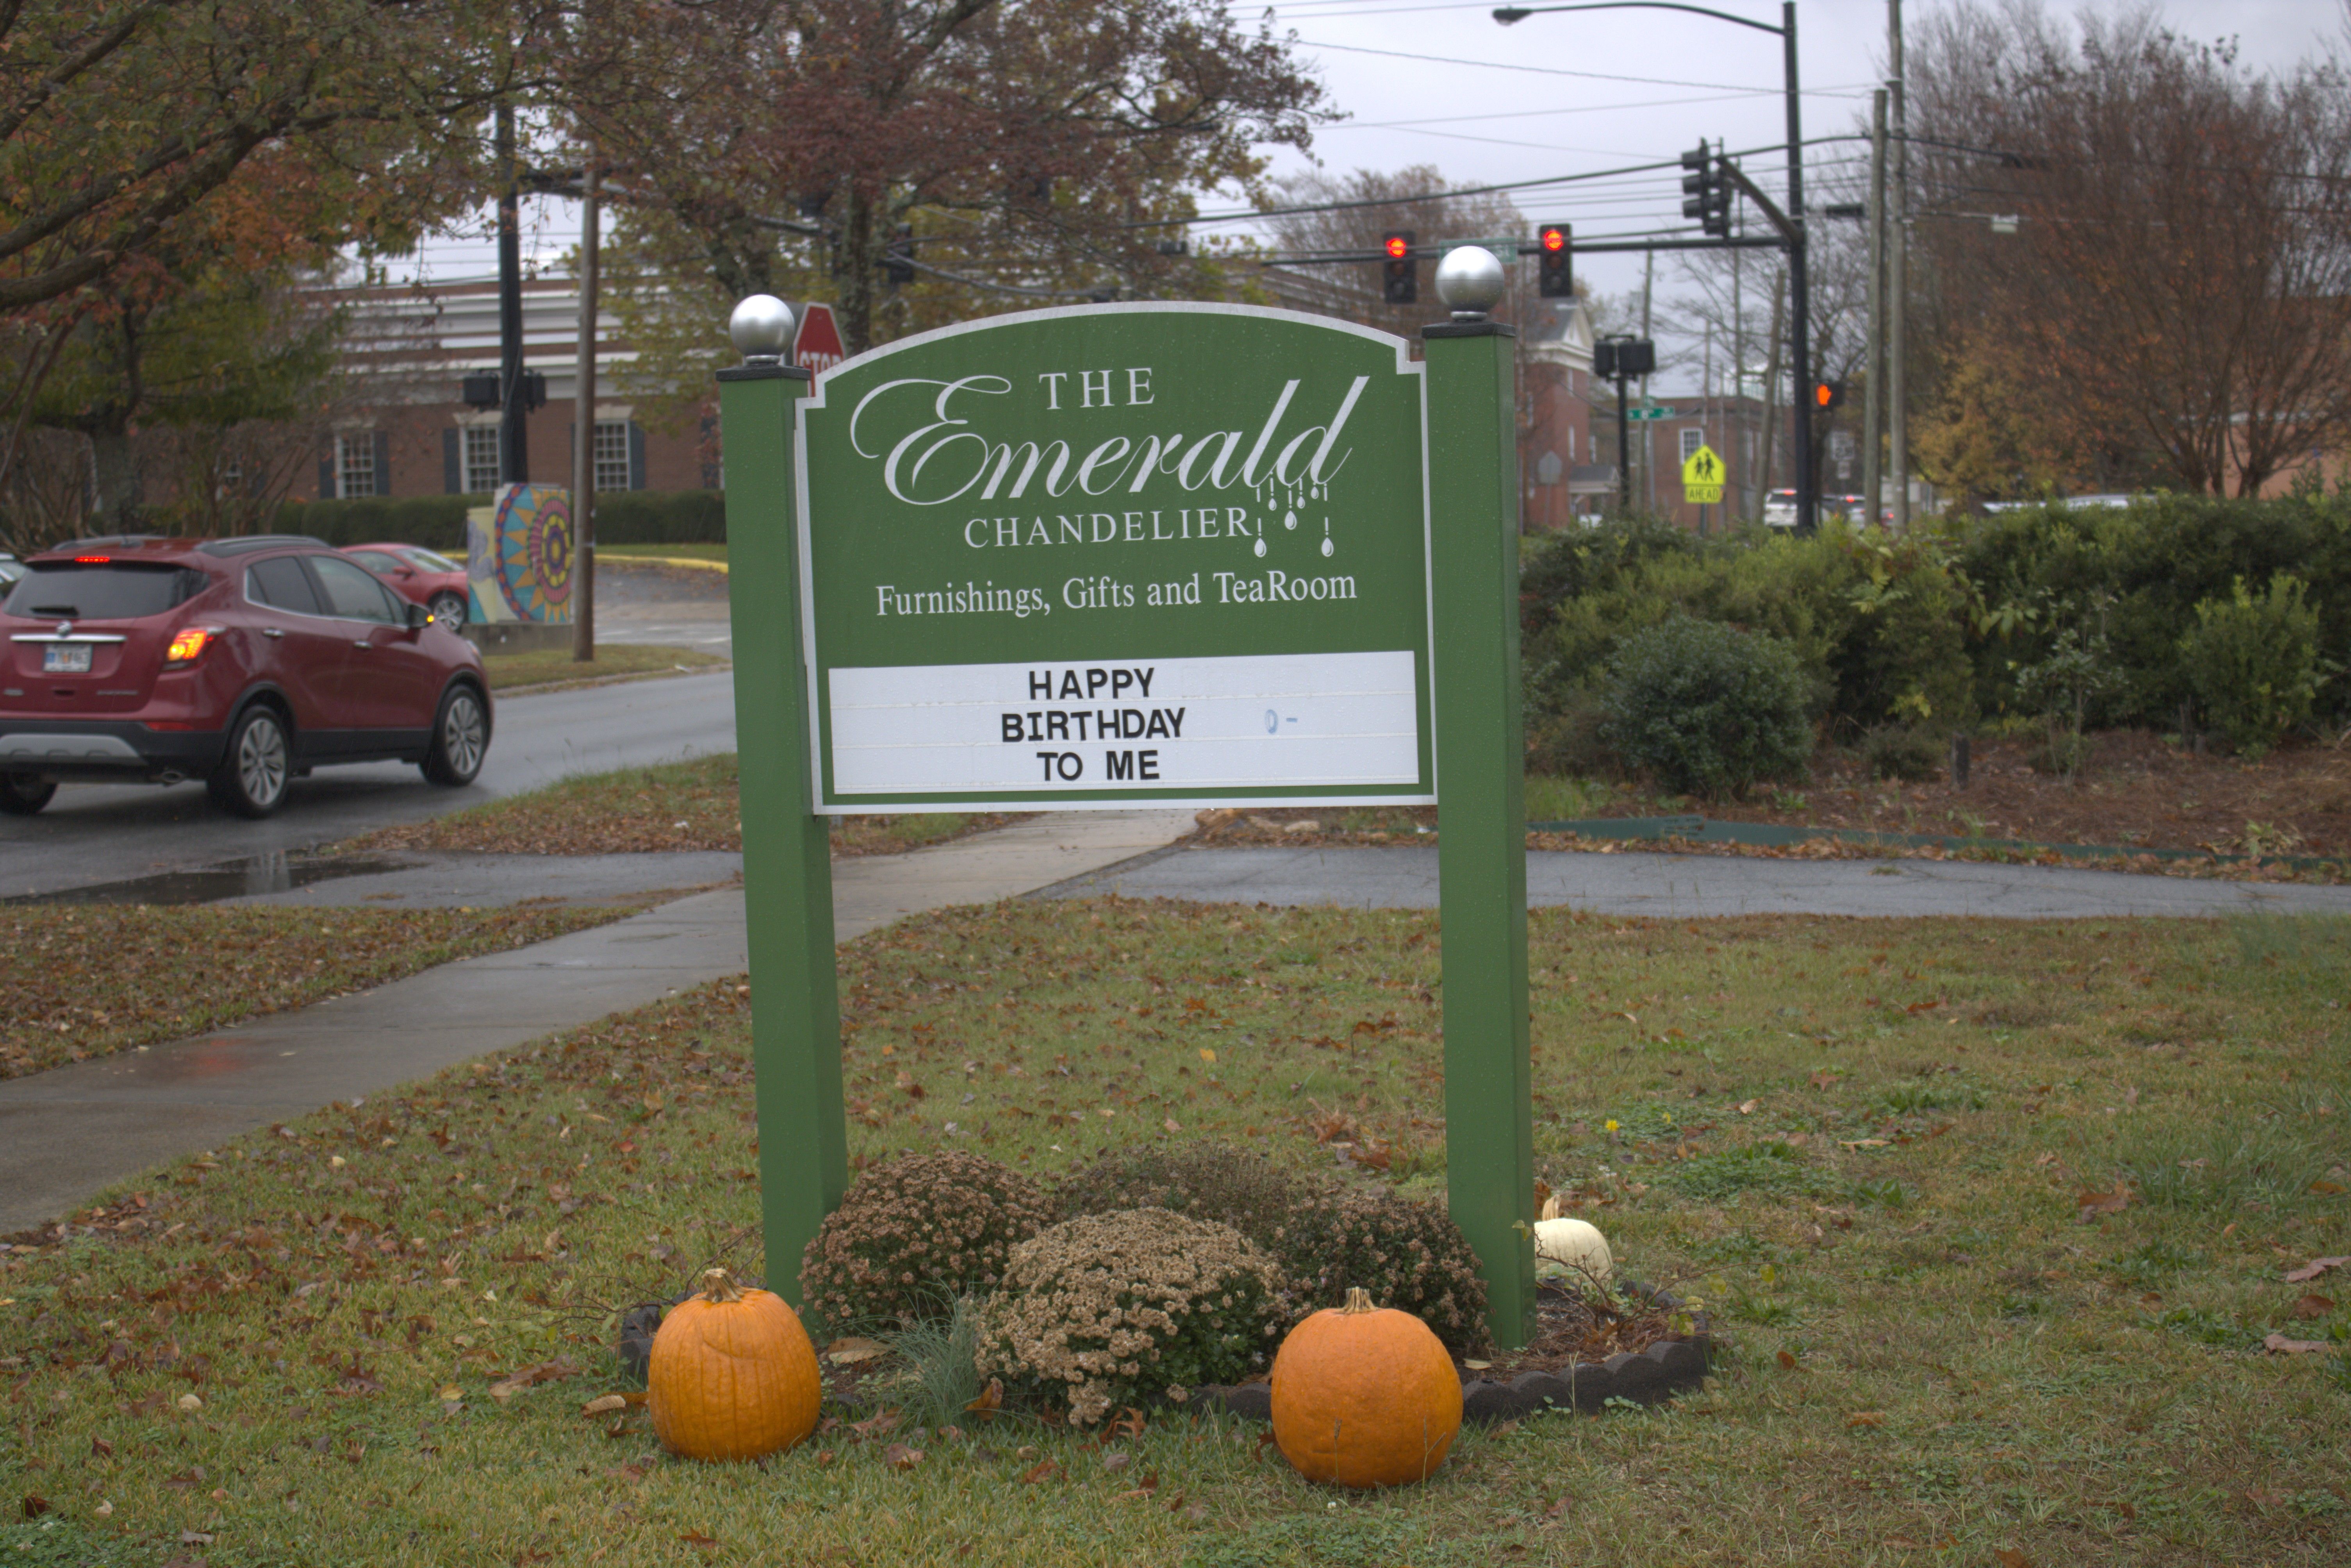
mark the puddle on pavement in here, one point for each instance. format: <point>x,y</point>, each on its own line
<point>281,871</point>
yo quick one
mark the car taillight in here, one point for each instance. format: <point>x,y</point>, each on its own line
<point>188,646</point>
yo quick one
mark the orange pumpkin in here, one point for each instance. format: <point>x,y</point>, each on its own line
<point>1364,1396</point>
<point>733,1374</point>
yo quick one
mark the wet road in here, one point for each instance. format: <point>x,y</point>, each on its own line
<point>108,833</point>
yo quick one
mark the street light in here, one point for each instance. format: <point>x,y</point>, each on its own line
<point>1807,496</point>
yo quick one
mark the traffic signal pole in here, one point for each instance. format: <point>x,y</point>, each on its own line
<point>1799,296</point>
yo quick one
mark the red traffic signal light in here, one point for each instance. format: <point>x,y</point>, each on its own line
<point>1400,273</point>
<point>1554,256</point>
<point>1827,395</point>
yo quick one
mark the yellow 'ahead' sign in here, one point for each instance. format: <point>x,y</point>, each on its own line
<point>1702,477</point>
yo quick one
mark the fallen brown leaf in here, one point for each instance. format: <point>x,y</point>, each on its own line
<point>1867,1418</point>
<point>1787,1360</point>
<point>899,1457</point>
<point>2280,1344</point>
<point>2090,1204</point>
<point>1044,1470</point>
<point>2312,1306</point>
<point>850,1352</point>
<point>2009,1557</point>
<point>2313,1269</point>
<point>990,1397</point>
<point>607,1402</point>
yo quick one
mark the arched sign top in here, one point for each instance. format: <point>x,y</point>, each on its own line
<point>1116,554</point>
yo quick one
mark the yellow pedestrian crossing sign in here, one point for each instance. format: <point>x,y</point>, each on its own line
<point>1702,477</point>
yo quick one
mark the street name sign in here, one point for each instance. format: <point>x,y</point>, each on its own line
<point>1109,555</point>
<point>1656,411</point>
<point>1702,477</point>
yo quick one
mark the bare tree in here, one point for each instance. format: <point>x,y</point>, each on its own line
<point>2144,244</point>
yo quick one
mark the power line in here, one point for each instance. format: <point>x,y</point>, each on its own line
<point>1558,70</point>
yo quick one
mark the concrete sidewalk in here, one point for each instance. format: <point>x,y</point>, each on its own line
<point>1682,887</point>
<point>68,1134</point>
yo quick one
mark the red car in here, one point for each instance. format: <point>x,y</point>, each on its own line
<point>419,576</point>
<point>245,662</point>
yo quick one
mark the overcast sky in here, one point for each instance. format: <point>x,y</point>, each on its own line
<point>1573,95</point>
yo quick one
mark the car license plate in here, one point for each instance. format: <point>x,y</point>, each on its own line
<point>65,659</point>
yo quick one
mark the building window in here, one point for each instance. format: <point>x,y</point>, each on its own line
<point>1692,439</point>
<point>355,465</point>
<point>481,459</point>
<point>612,455</point>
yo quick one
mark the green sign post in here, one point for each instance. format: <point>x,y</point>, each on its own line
<point>1092,558</point>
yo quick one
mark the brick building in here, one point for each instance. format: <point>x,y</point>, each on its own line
<point>416,435</point>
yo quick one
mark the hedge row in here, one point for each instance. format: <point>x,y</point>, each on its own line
<point>2126,613</point>
<point>438,522</point>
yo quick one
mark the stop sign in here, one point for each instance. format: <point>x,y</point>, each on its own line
<point>817,347</point>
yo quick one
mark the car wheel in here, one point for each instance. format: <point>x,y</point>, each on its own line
<point>251,776</point>
<point>449,608</point>
<point>21,794</point>
<point>460,739</point>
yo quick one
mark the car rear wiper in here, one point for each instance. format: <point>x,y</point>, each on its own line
<point>70,611</point>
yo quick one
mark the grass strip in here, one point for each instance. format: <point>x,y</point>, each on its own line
<point>84,980</point>
<point>1996,1218</point>
<point>675,805</point>
<point>665,555</point>
<point>546,667</point>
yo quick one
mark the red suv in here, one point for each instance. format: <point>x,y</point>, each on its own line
<point>243,662</point>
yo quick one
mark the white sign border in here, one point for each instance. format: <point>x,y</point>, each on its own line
<point>803,527</point>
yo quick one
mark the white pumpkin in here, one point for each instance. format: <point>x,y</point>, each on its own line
<point>1570,1251</point>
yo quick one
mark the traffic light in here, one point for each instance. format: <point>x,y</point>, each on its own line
<point>1400,273</point>
<point>1705,196</point>
<point>898,257</point>
<point>1624,358</point>
<point>1827,395</point>
<point>1554,261</point>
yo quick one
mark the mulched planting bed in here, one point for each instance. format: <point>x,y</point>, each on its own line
<point>1589,1347</point>
<point>2138,792</point>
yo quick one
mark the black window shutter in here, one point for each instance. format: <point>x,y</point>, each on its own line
<point>327,474</point>
<point>636,455</point>
<point>383,463</point>
<point>452,462</point>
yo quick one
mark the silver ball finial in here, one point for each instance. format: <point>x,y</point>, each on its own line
<point>762,327</point>
<point>1471,280</point>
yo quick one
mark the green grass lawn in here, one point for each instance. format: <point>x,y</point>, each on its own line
<point>623,661</point>
<point>673,806</point>
<point>1865,1146</point>
<point>84,980</point>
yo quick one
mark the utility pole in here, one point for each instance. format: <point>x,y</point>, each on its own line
<point>1745,460</point>
<point>583,431</point>
<point>1873,381</point>
<point>1898,279</point>
<point>1648,426</point>
<point>514,437</point>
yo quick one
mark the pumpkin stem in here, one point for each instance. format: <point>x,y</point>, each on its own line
<point>1358,1300</point>
<point>717,1285</point>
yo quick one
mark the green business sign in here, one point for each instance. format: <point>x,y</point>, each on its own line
<point>1110,554</point>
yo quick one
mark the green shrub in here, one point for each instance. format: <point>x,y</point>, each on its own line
<point>1410,1256</point>
<point>438,522</point>
<point>1909,752</point>
<point>1119,1309</point>
<point>912,1235</point>
<point>1201,1181</point>
<point>1707,708</point>
<point>2253,662</point>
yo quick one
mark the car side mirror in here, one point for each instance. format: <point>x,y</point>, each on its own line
<point>418,618</point>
